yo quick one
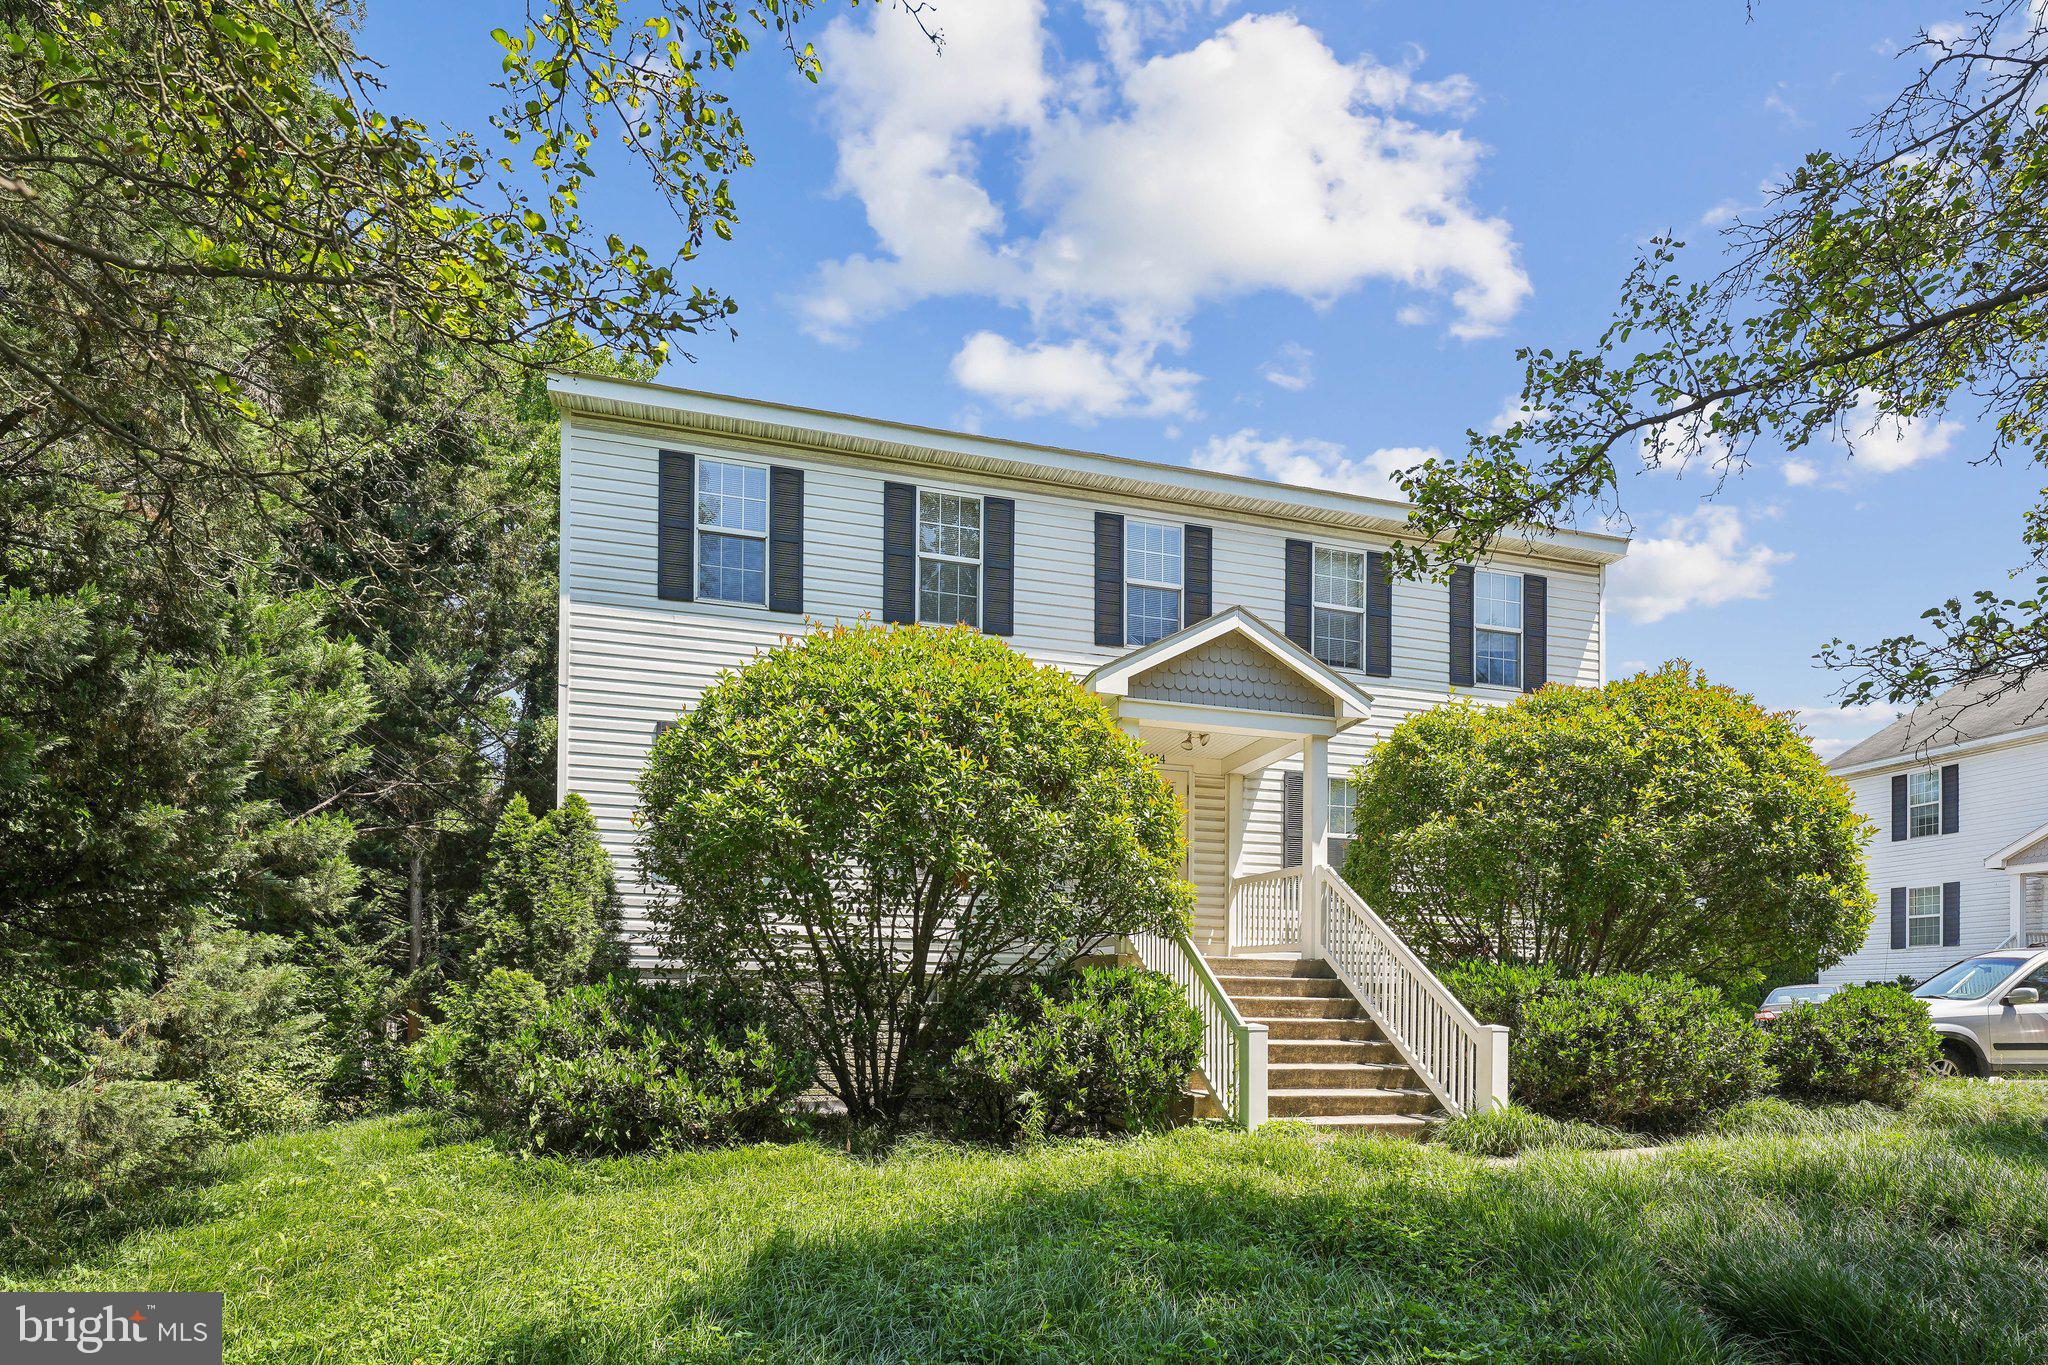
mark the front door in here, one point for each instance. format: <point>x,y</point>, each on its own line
<point>1180,780</point>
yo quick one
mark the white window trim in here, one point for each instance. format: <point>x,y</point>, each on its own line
<point>1937,895</point>
<point>698,529</point>
<point>1316,604</point>
<point>1911,805</point>
<point>978,561</point>
<point>1131,580</point>
<point>1520,632</point>
<point>1349,806</point>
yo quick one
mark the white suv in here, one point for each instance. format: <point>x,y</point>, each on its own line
<point>1991,1012</point>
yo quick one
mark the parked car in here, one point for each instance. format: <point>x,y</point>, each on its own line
<point>1991,1011</point>
<point>1785,997</point>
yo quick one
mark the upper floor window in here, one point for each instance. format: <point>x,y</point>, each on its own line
<point>1923,803</point>
<point>1152,581</point>
<point>1497,629</point>
<point>1923,917</point>
<point>948,558</point>
<point>1337,630</point>
<point>1340,808</point>
<point>732,532</point>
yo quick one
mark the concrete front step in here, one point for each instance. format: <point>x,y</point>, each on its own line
<point>1341,1076</point>
<point>1320,1030</point>
<point>1256,987</point>
<point>1324,1052</point>
<point>1372,1125</point>
<point>1305,1103</point>
<point>1296,1007</point>
<point>1270,966</point>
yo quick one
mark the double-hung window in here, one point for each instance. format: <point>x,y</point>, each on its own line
<point>948,558</point>
<point>1337,628</point>
<point>1923,917</point>
<point>1923,803</point>
<point>732,532</point>
<point>1152,581</point>
<point>1340,808</point>
<point>1497,629</point>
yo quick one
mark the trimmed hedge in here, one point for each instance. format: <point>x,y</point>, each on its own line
<point>1862,1043</point>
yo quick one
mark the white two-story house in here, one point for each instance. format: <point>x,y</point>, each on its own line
<point>1247,632</point>
<point>1958,791</point>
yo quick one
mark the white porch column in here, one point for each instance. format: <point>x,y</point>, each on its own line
<point>1233,854</point>
<point>2018,882</point>
<point>1315,840</point>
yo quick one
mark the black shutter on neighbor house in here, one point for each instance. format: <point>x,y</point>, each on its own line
<point>786,540</point>
<point>1461,627</point>
<point>1198,573</point>
<point>1379,617</point>
<point>1951,914</point>
<point>1109,580</point>
<point>1898,917</point>
<point>999,565</point>
<point>1535,631</point>
<point>899,552</point>
<point>675,549</point>
<point>1300,565</point>
<point>1290,820</point>
<point>1898,808</point>
<point>1951,797</point>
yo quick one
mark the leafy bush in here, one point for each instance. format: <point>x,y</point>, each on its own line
<point>1109,1051</point>
<point>1862,1043</point>
<point>546,902</point>
<point>988,811</point>
<point>93,1139</point>
<point>1512,1130</point>
<point>1654,1054</point>
<point>612,1066</point>
<point>1496,992</point>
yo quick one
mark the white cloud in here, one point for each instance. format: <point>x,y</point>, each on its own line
<point>1255,160</point>
<point>1310,463</point>
<point>1834,728</point>
<point>1800,473</point>
<point>1074,378</point>
<point>1701,559</point>
<point>1292,369</point>
<point>1779,103</point>
<point>1948,32</point>
<point>1885,445</point>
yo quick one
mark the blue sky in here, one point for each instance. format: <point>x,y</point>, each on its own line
<point>1305,243</point>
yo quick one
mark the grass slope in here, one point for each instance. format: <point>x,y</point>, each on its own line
<point>1864,1237</point>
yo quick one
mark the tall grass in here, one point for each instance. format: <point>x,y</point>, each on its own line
<point>1921,1237</point>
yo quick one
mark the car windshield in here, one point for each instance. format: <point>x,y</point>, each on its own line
<point>1969,980</point>
<point>1787,995</point>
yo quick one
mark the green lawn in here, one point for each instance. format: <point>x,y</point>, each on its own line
<point>1922,1239</point>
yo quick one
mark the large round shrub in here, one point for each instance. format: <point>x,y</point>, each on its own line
<point>887,825</point>
<point>1862,1043</point>
<point>1657,824</point>
<point>1650,1054</point>
<point>1109,1050</point>
<point>1497,992</point>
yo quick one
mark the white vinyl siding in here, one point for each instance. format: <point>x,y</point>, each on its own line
<point>1923,803</point>
<point>1923,917</point>
<point>1337,630</point>
<point>732,532</point>
<point>1496,629</point>
<point>948,558</point>
<point>1152,581</point>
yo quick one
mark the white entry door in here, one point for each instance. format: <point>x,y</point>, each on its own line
<point>1179,780</point>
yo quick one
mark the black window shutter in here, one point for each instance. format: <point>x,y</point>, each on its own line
<point>1898,808</point>
<point>675,557</point>
<point>1198,573</point>
<point>1300,565</point>
<point>1290,820</point>
<point>786,539</point>
<point>899,552</point>
<point>1898,917</point>
<point>1109,579</point>
<point>1535,631</point>
<point>1379,617</point>
<point>999,565</point>
<point>1951,914</point>
<point>1951,797</point>
<point>1461,627</point>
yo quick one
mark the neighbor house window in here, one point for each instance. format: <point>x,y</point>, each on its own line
<point>732,532</point>
<point>1923,917</point>
<point>1152,581</point>
<point>1340,808</point>
<point>1497,629</point>
<point>948,558</point>
<point>1337,633</point>
<point>1923,803</point>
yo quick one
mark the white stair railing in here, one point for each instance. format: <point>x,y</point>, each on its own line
<point>1265,910</point>
<point>1233,1049</point>
<point>1462,1061</point>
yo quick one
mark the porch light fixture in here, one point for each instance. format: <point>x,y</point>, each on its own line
<point>1189,740</point>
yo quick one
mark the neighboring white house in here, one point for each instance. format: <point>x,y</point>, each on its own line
<point>1958,791</point>
<point>1248,632</point>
